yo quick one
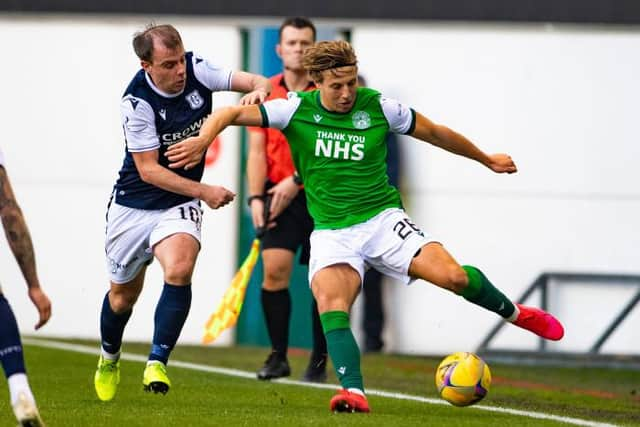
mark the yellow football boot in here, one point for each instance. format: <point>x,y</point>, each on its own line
<point>107,378</point>
<point>155,378</point>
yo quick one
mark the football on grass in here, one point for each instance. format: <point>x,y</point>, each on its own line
<point>463,379</point>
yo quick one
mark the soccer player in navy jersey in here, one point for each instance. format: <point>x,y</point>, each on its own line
<point>11,356</point>
<point>155,212</point>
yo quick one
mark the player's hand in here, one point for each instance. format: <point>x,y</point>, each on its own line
<point>42,303</point>
<point>216,196</point>
<point>281,196</point>
<point>255,97</point>
<point>187,153</point>
<point>502,163</point>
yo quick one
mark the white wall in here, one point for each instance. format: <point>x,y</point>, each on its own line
<point>563,101</point>
<point>62,139</point>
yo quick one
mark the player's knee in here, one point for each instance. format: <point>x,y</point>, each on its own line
<point>179,273</point>
<point>456,279</point>
<point>276,278</point>
<point>122,301</point>
<point>323,303</point>
<point>331,302</point>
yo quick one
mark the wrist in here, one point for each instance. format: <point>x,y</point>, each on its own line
<point>296,178</point>
<point>205,141</point>
<point>250,199</point>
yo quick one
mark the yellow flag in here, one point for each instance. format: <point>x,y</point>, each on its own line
<point>229,309</point>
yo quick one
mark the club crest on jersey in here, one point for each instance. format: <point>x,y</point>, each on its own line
<point>195,100</point>
<point>361,120</point>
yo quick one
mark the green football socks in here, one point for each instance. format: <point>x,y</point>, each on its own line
<point>481,291</point>
<point>343,349</point>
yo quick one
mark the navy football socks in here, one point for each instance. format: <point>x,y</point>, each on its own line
<point>10,346</point>
<point>112,327</point>
<point>171,313</point>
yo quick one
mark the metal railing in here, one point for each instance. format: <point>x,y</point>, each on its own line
<point>542,283</point>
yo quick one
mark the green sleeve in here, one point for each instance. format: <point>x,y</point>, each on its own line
<point>265,118</point>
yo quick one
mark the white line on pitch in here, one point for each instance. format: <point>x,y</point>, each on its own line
<point>78,348</point>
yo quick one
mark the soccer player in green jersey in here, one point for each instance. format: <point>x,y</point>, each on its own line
<point>339,151</point>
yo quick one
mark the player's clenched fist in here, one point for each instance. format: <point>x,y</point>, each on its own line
<point>216,196</point>
<point>502,163</point>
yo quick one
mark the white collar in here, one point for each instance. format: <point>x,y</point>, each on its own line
<point>158,91</point>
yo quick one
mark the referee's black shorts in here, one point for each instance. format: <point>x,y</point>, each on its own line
<point>293,228</point>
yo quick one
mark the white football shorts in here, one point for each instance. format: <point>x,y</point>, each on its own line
<point>387,242</point>
<point>132,233</point>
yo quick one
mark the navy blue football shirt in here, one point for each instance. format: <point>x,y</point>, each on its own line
<point>154,120</point>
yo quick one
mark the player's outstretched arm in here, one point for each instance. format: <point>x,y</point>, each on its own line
<point>447,139</point>
<point>257,87</point>
<point>188,153</point>
<point>19,239</point>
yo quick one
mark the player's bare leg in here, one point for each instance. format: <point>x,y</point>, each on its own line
<point>434,264</point>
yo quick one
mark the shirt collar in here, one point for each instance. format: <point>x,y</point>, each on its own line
<point>310,84</point>
<point>158,91</point>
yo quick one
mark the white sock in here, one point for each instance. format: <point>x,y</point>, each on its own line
<point>515,314</point>
<point>153,362</point>
<point>18,383</point>
<point>356,391</point>
<point>109,356</point>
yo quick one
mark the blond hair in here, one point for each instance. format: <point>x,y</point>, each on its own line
<point>328,55</point>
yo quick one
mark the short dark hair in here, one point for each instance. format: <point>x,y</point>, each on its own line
<point>299,22</point>
<point>143,40</point>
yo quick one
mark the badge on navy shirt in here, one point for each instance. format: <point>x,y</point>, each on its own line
<point>195,100</point>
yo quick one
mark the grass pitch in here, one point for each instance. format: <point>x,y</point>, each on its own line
<point>63,383</point>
